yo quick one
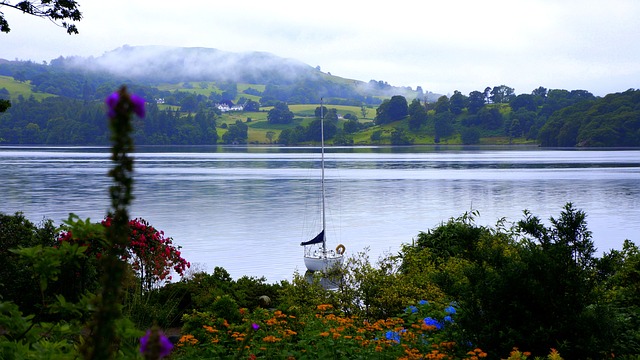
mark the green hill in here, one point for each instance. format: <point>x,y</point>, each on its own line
<point>16,89</point>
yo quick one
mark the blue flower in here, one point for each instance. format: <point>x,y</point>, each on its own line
<point>423,302</point>
<point>450,310</point>
<point>448,319</point>
<point>393,336</point>
<point>429,321</point>
<point>411,309</point>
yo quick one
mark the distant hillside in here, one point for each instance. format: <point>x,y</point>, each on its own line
<point>186,88</point>
<point>162,64</point>
<point>285,79</point>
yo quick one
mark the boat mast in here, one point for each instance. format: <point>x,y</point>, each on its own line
<point>324,222</point>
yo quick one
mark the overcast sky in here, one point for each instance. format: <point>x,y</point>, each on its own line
<point>442,46</point>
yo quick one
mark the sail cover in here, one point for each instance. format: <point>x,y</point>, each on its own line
<point>316,240</point>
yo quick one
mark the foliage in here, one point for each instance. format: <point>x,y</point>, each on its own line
<point>151,255</point>
<point>58,11</point>
<point>470,136</point>
<point>4,105</point>
<point>514,285</point>
<point>236,133</point>
<point>280,114</point>
<point>16,281</point>
<point>392,110</point>
<point>611,121</point>
<point>185,115</point>
<point>422,330</point>
<point>417,115</point>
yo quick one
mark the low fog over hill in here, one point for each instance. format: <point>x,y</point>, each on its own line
<point>177,64</point>
<point>173,64</point>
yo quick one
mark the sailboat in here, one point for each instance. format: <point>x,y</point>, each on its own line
<point>316,255</point>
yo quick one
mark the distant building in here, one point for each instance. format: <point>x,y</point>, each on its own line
<point>227,108</point>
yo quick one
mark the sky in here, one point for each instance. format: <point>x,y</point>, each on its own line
<point>441,46</point>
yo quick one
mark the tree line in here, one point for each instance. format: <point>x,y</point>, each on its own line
<point>554,118</point>
<point>65,121</point>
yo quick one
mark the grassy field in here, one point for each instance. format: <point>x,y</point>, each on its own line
<point>206,88</point>
<point>17,88</point>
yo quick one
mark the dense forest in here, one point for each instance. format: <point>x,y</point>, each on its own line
<point>64,106</point>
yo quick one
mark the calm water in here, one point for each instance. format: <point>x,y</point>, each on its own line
<point>247,209</point>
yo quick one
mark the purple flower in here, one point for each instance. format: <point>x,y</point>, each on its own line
<point>255,326</point>
<point>138,105</point>
<point>112,101</point>
<point>165,344</point>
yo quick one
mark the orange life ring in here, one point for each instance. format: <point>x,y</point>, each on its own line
<point>340,249</point>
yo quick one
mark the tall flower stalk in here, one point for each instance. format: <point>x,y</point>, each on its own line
<point>103,342</point>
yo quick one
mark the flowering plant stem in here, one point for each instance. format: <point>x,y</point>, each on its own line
<point>103,342</point>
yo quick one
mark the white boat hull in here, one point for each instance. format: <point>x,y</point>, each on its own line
<point>322,263</point>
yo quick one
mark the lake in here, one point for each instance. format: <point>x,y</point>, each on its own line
<point>246,209</point>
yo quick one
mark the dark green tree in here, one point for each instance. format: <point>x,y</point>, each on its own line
<point>442,105</point>
<point>17,282</point>
<point>376,136</point>
<point>392,110</point>
<point>320,111</point>
<point>314,131</point>
<point>4,105</point>
<point>280,114</point>
<point>351,126</point>
<point>251,105</point>
<point>417,115</point>
<point>458,102</point>
<point>490,117</point>
<point>292,136</point>
<point>60,12</point>
<point>532,285</point>
<point>470,135</point>
<point>236,133</point>
<point>502,94</point>
<point>443,126</point>
<point>524,101</point>
<point>476,101</point>
<point>400,137</point>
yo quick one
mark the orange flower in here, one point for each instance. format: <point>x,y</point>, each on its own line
<point>324,334</point>
<point>325,307</point>
<point>187,340</point>
<point>209,328</point>
<point>271,339</point>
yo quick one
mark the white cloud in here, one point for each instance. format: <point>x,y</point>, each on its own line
<point>442,46</point>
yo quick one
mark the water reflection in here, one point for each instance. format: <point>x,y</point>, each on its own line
<point>247,208</point>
